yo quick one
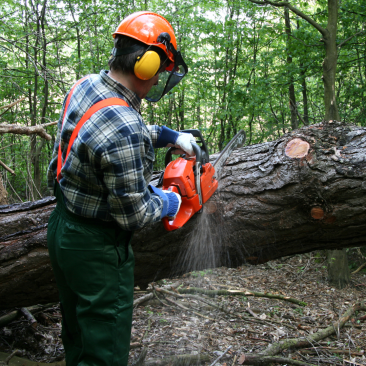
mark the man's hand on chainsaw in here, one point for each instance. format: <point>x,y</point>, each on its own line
<point>183,144</point>
<point>181,140</point>
<point>175,200</point>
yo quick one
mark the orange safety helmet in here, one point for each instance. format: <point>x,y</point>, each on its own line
<point>153,30</point>
<point>146,27</point>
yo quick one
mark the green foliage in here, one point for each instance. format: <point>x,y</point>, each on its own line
<point>201,273</point>
<point>239,71</point>
<point>299,310</point>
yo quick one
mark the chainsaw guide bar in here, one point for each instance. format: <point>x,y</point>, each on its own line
<point>237,141</point>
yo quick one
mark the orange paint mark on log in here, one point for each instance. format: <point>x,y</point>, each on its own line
<point>297,148</point>
<point>317,213</point>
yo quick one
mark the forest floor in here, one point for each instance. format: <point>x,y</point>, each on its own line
<point>240,325</point>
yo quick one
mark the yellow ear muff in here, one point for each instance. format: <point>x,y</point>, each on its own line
<point>147,66</point>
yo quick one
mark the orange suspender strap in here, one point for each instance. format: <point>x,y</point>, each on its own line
<point>96,107</point>
<point>59,157</point>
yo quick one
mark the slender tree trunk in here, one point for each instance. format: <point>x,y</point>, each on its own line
<point>181,111</point>
<point>3,193</point>
<point>291,87</point>
<point>91,48</point>
<point>304,89</point>
<point>330,63</point>
<point>304,95</point>
<point>35,180</point>
<point>77,40</point>
<point>33,139</point>
<point>253,76</point>
<point>199,118</point>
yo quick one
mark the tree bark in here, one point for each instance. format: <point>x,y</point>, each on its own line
<point>339,274</point>
<point>302,192</point>
<point>25,130</point>
<point>3,193</point>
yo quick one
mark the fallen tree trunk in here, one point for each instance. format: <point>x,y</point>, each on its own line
<point>302,192</point>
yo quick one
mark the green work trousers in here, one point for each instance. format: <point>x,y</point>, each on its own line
<point>93,265</point>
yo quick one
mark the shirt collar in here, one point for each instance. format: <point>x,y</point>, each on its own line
<point>133,100</point>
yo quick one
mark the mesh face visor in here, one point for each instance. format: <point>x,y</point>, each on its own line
<point>168,79</point>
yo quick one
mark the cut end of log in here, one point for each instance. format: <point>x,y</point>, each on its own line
<point>297,148</point>
<point>317,213</point>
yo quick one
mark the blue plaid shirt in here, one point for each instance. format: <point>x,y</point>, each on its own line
<point>110,164</point>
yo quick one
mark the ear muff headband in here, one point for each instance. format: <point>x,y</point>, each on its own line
<point>147,65</point>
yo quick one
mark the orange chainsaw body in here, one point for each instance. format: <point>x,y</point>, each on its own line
<point>179,177</point>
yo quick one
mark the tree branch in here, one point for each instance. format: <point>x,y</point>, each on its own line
<point>298,12</point>
<point>49,124</point>
<point>265,360</point>
<point>12,104</point>
<point>321,334</point>
<point>25,130</point>
<point>213,293</point>
<point>11,171</point>
<point>359,268</point>
<point>349,38</point>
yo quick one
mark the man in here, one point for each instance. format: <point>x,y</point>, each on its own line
<point>100,172</point>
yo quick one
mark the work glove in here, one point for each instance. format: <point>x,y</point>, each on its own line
<point>181,140</point>
<point>175,200</point>
<point>184,144</point>
<point>171,201</point>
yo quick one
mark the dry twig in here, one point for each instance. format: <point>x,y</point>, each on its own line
<point>11,171</point>
<point>179,360</point>
<point>278,347</point>
<point>221,356</point>
<point>7,318</point>
<point>28,315</point>
<point>12,104</point>
<point>212,293</point>
<point>359,268</point>
<point>222,308</point>
<point>189,310</point>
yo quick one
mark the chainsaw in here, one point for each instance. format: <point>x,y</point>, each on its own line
<point>194,178</point>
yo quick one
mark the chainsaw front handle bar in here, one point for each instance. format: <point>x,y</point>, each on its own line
<point>197,151</point>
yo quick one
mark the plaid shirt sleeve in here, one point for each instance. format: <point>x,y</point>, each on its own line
<point>154,131</point>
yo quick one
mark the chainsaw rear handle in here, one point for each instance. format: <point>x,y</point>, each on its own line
<point>196,148</point>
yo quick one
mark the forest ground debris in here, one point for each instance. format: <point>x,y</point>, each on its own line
<point>196,328</point>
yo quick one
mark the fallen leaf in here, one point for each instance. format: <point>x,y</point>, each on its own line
<point>241,359</point>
